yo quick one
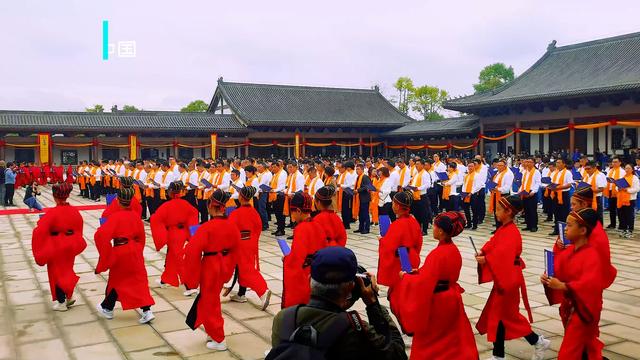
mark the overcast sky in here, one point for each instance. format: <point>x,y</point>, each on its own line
<point>50,51</point>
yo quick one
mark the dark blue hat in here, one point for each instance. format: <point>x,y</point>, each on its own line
<point>334,265</point>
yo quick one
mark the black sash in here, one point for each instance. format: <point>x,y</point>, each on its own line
<point>224,252</point>
<point>120,241</point>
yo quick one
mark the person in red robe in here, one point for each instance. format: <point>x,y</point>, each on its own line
<point>70,178</point>
<point>47,174</point>
<point>436,318</point>
<point>58,172</point>
<point>327,217</point>
<point>56,241</point>
<point>134,204</point>
<point>308,237</point>
<point>404,232</point>
<point>499,261</point>
<point>36,173</point>
<point>210,257</point>
<point>249,223</point>
<point>579,278</point>
<point>120,243</point>
<point>584,198</point>
<point>170,227</point>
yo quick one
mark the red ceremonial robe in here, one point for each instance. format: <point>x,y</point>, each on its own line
<point>127,273</point>
<point>70,178</point>
<point>36,174</point>
<point>170,226</point>
<point>308,238</point>
<point>58,171</point>
<point>600,241</point>
<point>432,311</point>
<point>210,257</point>
<point>504,267</point>
<point>22,177</point>
<point>405,231</point>
<point>46,174</point>
<point>249,223</point>
<point>115,207</point>
<point>333,227</point>
<point>56,241</point>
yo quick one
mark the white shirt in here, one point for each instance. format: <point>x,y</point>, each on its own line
<point>175,169</point>
<point>439,167</point>
<point>315,184</point>
<point>461,168</point>
<point>407,177</point>
<point>535,181</point>
<point>477,182</point>
<point>507,182</point>
<point>482,175</point>
<point>264,179</point>
<point>234,192</point>
<point>394,179</point>
<point>167,180</point>
<point>143,175</point>
<point>601,181</point>
<point>193,178</point>
<point>568,178</point>
<point>350,178</point>
<point>634,188</point>
<point>455,180</point>
<point>385,190</point>
<point>282,181</point>
<point>226,181</point>
<point>299,182</point>
<point>425,180</point>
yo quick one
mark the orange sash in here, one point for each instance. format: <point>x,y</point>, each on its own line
<point>375,198</point>
<point>496,195</point>
<point>148,192</point>
<point>624,198</point>
<point>526,184</point>
<point>468,188</point>
<point>136,188</point>
<point>594,203</point>
<point>446,191</point>
<point>291,186</point>
<point>417,183</point>
<point>558,193</point>
<point>611,190</point>
<point>356,199</point>
<point>403,171</point>
<point>92,179</point>
<point>274,184</point>
<point>339,198</point>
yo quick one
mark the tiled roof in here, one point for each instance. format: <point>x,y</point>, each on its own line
<point>144,121</point>
<point>457,125</point>
<point>599,67</point>
<point>284,105</point>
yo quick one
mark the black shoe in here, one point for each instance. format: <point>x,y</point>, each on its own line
<point>535,229</point>
<point>468,226</point>
<point>553,233</point>
<point>474,228</point>
<point>364,232</point>
<point>356,231</point>
<point>611,226</point>
<point>279,233</point>
<point>493,232</point>
<point>289,237</point>
<point>548,220</point>
<point>290,226</point>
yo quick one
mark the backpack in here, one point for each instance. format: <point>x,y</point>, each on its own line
<point>304,342</point>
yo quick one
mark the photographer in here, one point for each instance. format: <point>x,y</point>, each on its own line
<point>324,327</point>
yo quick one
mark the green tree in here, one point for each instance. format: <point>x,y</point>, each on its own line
<point>427,101</point>
<point>404,85</point>
<point>493,76</point>
<point>95,108</point>
<point>196,106</point>
<point>130,108</point>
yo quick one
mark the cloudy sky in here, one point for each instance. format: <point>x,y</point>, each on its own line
<point>51,51</point>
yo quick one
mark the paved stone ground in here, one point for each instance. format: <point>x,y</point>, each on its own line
<point>30,330</point>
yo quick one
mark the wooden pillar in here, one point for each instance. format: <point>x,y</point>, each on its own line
<point>572,136</point>
<point>360,146</point>
<point>2,140</point>
<point>94,149</point>
<point>175,148</point>
<point>371,147</point>
<point>246,147</point>
<point>406,151</point>
<point>481,143</point>
<point>517,149</point>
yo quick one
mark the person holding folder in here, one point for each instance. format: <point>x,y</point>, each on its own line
<point>499,186</point>
<point>611,190</point>
<point>628,188</point>
<point>404,232</point>
<point>327,218</point>
<point>472,195</point>
<point>499,261</point>
<point>420,184</point>
<point>170,227</point>
<point>560,185</point>
<point>308,237</point>
<point>436,318</point>
<point>450,195</point>
<point>528,191</point>
<point>276,196</point>
<point>597,181</point>
<point>577,284</point>
<point>361,200</point>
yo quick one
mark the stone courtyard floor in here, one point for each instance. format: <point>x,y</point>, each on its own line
<point>30,330</point>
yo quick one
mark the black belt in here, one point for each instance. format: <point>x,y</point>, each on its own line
<point>245,234</point>
<point>442,285</point>
<point>224,252</point>
<point>516,262</point>
<point>120,241</point>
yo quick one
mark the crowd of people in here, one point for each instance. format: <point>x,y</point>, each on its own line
<point>210,215</point>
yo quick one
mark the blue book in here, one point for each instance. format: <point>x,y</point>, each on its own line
<point>238,188</point>
<point>348,191</point>
<point>191,185</point>
<point>545,180</point>
<point>229,210</point>
<point>442,176</point>
<point>206,183</point>
<point>492,172</point>
<point>576,174</point>
<point>370,187</point>
<point>139,183</point>
<point>524,193</point>
<point>582,185</point>
<point>193,229</point>
<point>102,221</point>
<point>561,227</point>
<point>405,264</point>
<point>40,216</point>
<point>464,194</point>
<point>637,172</point>
<point>515,171</point>
<point>110,198</point>
<point>491,185</point>
<point>622,183</point>
<point>385,222</point>
<point>265,188</point>
<point>548,262</point>
<point>284,246</point>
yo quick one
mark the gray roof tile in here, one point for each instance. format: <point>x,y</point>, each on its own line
<point>604,66</point>
<point>457,125</point>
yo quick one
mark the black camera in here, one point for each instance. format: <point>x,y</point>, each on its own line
<point>357,291</point>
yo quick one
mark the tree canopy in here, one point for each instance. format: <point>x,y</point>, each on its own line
<point>404,85</point>
<point>130,108</point>
<point>196,106</point>
<point>427,101</point>
<point>493,76</point>
<point>96,108</point>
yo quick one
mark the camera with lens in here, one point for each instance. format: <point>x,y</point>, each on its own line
<point>357,290</point>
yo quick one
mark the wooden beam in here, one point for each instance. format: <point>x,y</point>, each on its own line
<point>572,136</point>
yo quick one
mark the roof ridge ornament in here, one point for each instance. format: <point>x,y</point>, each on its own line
<point>552,45</point>
<point>220,79</point>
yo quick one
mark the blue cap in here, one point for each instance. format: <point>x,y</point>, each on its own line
<point>334,265</point>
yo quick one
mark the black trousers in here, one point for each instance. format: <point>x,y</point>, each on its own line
<point>453,203</point>
<point>419,209</point>
<point>278,210</point>
<point>547,206</point>
<point>561,211</point>
<point>261,204</point>
<point>190,197</point>
<point>498,345</point>
<point>364,221</point>
<point>627,216</point>
<point>60,295</point>
<point>8,194</point>
<point>432,194</point>
<point>202,210</point>
<point>110,301</point>
<point>441,203</point>
<point>472,209</point>
<point>143,203</point>
<point>482,203</point>
<point>95,190</point>
<point>530,205</point>
<point>613,211</point>
<point>600,209</point>
<point>346,210</point>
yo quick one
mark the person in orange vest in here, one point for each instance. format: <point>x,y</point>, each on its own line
<point>361,200</point>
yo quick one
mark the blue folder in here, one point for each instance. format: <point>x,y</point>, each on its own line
<point>576,174</point>
<point>463,194</point>
<point>265,188</point>
<point>370,187</point>
<point>102,221</point>
<point>206,183</point>
<point>284,246</point>
<point>139,183</point>
<point>492,172</point>
<point>637,172</point>
<point>238,188</point>
<point>110,198</point>
<point>622,183</point>
<point>385,222</point>
<point>491,185</point>
<point>545,180</point>
<point>582,185</point>
<point>193,229</point>
<point>410,188</point>
<point>524,193</point>
<point>442,176</point>
<point>229,210</point>
<point>40,216</point>
<point>405,264</point>
<point>561,227</point>
<point>348,191</point>
<point>548,262</point>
